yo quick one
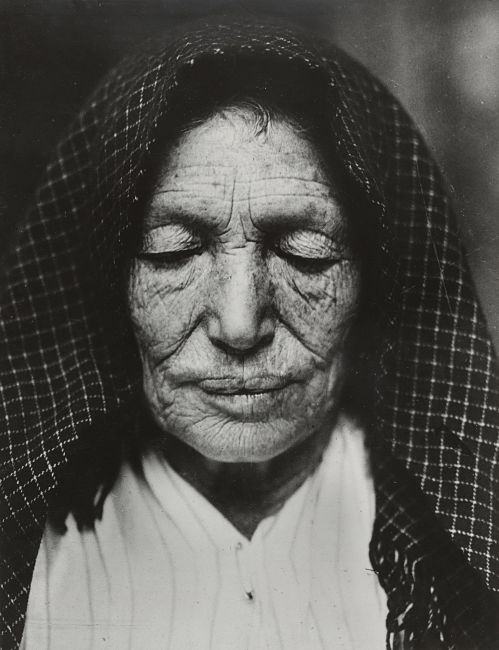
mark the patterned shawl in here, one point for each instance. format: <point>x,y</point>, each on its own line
<point>65,373</point>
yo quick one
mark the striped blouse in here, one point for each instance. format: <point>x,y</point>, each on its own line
<point>164,568</point>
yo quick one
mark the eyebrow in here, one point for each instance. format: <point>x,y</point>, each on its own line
<point>302,220</point>
<point>162,215</point>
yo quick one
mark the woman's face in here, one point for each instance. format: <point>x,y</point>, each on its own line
<point>244,290</point>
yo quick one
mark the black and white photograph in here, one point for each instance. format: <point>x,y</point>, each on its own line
<point>249,314</point>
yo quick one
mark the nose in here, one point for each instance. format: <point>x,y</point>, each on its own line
<point>241,317</point>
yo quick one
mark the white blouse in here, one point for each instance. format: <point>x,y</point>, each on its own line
<point>165,569</point>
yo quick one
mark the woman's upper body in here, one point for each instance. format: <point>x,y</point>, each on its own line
<point>164,569</point>
<point>241,267</point>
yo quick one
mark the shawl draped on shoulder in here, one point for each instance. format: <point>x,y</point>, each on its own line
<point>67,371</point>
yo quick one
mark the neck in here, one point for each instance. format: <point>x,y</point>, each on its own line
<point>247,493</point>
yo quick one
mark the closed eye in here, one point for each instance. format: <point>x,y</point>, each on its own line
<point>172,258</point>
<point>308,264</point>
<point>309,251</point>
<point>170,244</point>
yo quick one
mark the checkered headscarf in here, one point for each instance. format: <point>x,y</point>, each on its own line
<point>64,372</point>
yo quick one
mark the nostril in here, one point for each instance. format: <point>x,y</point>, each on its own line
<point>242,337</point>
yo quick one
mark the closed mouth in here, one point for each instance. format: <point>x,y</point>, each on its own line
<point>243,386</point>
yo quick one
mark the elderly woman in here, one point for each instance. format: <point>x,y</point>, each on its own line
<point>249,398</point>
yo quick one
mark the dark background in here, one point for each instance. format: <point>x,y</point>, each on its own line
<point>440,57</point>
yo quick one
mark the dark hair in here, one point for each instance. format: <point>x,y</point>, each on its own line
<point>268,89</point>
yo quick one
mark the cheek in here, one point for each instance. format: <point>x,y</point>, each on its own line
<point>319,308</point>
<point>162,308</point>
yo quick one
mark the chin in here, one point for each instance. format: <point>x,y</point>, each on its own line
<point>242,442</point>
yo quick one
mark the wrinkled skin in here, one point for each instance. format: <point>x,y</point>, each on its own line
<point>244,291</point>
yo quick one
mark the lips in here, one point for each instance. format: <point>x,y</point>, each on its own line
<point>248,399</point>
<point>243,385</point>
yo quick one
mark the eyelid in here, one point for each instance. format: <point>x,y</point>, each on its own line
<point>309,244</point>
<point>169,238</point>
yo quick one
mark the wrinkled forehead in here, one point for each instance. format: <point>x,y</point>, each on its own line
<point>228,167</point>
